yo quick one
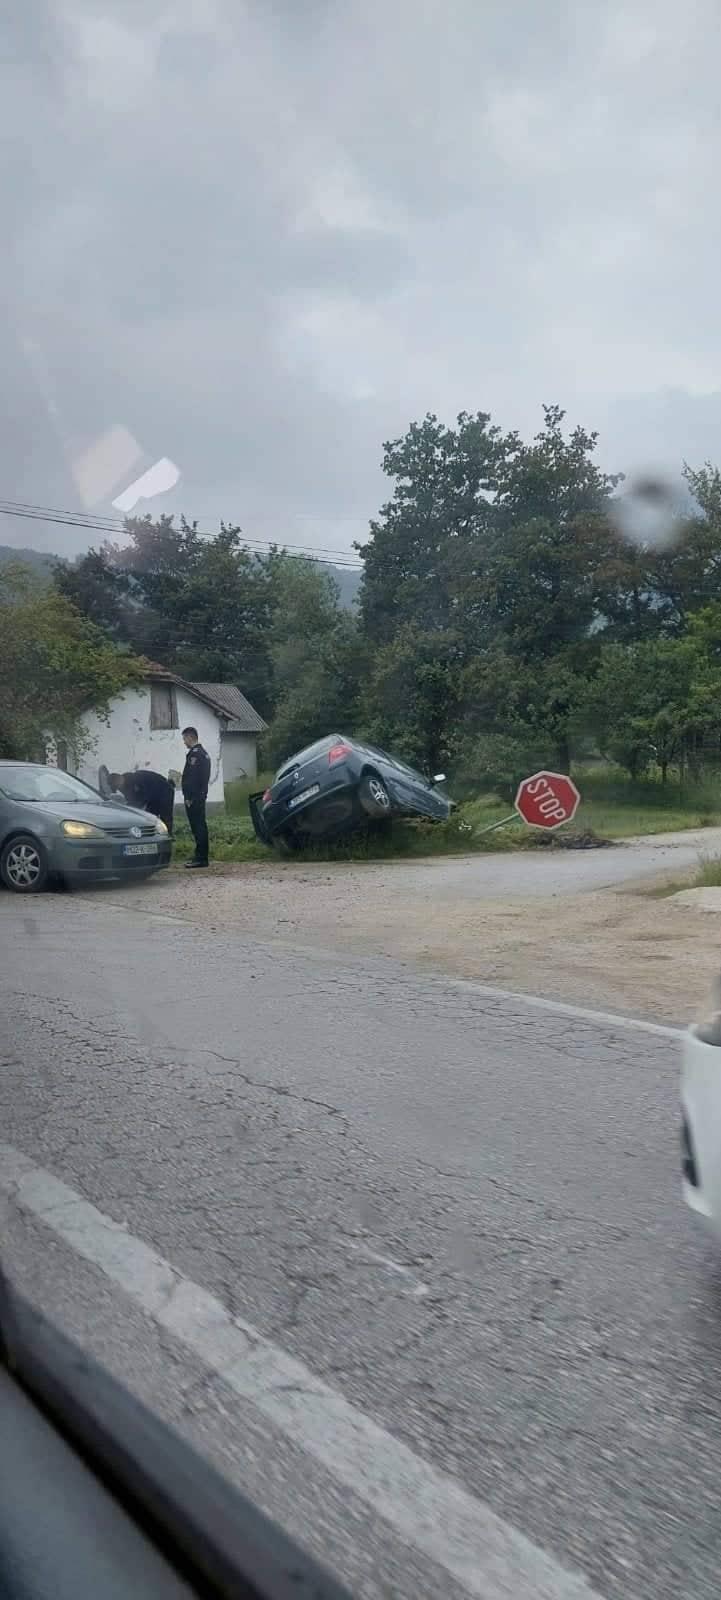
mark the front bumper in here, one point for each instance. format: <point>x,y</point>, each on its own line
<point>104,860</point>
<point>701,1129</point>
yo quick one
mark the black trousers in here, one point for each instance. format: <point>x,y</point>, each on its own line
<point>195,812</point>
<point>163,807</point>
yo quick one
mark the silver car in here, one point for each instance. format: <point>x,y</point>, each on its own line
<point>52,825</point>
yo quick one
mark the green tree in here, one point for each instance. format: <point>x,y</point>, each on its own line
<point>432,530</point>
<point>656,702</point>
<point>315,652</point>
<point>99,590</point>
<point>516,716</point>
<point>200,605</point>
<point>54,664</point>
<point>488,544</point>
<point>411,698</point>
<point>551,541</point>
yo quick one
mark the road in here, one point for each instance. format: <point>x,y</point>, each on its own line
<point>562,872</point>
<point>406,1259</point>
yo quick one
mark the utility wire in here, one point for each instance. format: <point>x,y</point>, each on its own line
<point>116,525</point>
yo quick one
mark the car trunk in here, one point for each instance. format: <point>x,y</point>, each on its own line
<point>290,790</point>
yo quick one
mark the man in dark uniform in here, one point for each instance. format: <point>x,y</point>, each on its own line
<point>147,790</point>
<point>196,777</point>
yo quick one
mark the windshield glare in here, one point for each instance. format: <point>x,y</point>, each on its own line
<point>43,783</point>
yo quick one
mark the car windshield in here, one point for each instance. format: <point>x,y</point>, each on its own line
<point>359,388</point>
<point>29,783</point>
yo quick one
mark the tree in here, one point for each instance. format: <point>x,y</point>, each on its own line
<point>98,589</point>
<point>200,605</point>
<point>434,525</point>
<point>515,716</point>
<point>315,653</point>
<point>656,702</point>
<point>54,665</point>
<point>412,695</point>
<point>551,541</point>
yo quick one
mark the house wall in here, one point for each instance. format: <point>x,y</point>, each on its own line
<point>126,742</point>
<point>240,755</point>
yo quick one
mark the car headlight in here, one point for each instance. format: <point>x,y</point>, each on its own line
<point>160,826</point>
<point>80,830</point>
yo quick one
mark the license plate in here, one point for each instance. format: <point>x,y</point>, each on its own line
<point>305,794</point>
<point>140,850</point>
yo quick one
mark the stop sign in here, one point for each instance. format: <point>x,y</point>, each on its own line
<point>547,799</point>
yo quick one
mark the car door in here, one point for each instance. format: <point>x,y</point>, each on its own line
<point>420,796</point>
<point>406,785</point>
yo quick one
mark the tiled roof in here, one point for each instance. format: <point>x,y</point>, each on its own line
<point>224,698</point>
<point>242,716</point>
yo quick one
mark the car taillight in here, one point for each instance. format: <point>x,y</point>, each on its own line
<point>338,752</point>
<point>266,797</point>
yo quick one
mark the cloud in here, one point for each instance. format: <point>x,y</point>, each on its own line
<point>263,237</point>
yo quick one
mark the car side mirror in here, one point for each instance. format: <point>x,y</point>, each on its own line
<point>440,777</point>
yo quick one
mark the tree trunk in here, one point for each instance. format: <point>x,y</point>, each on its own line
<point>563,754</point>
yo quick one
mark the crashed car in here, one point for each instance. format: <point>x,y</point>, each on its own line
<point>337,786</point>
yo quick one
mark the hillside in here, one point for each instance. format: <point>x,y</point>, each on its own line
<point>347,579</point>
<point>39,560</point>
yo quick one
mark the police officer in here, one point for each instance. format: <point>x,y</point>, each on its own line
<point>150,791</point>
<point>195,780</point>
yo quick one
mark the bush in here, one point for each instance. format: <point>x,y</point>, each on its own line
<point>495,763</point>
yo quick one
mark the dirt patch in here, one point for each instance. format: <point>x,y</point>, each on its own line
<point>570,840</point>
<point>618,949</point>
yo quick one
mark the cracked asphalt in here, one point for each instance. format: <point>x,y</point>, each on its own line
<point>458,1210</point>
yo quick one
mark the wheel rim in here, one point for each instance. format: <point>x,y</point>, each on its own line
<point>23,866</point>
<point>379,793</point>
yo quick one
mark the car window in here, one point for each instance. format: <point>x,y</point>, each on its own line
<point>308,754</point>
<point>359,381</point>
<point>43,783</point>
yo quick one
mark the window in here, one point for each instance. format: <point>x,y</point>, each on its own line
<point>163,706</point>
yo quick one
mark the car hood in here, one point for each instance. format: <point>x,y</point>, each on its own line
<point>102,813</point>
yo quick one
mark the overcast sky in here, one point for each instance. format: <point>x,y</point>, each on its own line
<point>263,237</point>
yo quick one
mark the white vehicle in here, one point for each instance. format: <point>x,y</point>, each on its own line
<point>701,1121</point>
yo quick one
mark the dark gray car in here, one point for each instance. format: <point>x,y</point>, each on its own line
<point>337,785</point>
<point>52,825</point>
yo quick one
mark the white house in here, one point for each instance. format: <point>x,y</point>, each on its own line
<point>239,734</point>
<point>145,723</point>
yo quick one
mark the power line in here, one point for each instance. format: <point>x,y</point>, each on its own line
<point>116,525</point>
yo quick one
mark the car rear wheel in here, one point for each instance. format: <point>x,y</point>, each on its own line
<point>374,796</point>
<point>24,865</point>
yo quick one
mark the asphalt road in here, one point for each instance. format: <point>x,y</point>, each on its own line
<point>472,1343</point>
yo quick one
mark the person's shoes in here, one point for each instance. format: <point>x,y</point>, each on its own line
<point>190,864</point>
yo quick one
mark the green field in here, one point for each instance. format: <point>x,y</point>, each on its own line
<point>611,808</point>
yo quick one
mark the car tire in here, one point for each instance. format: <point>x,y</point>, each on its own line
<point>24,865</point>
<point>373,795</point>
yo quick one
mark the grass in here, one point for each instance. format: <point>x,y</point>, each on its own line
<point>616,808</point>
<point>612,807</point>
<point>708,875</point>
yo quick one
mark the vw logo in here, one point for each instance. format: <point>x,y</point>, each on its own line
<point>296,775</point>
<point>136,832</point>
